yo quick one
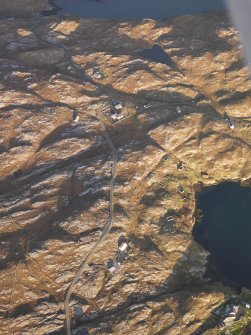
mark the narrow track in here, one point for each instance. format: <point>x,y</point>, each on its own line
<point>104,232</point>
<point>108,225</point>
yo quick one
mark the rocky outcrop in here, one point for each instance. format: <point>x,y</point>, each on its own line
<point>172,139</point>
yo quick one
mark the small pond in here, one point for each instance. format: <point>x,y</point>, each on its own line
<point>225,231</point>
<point>133,9</point>
<point>155,54</point>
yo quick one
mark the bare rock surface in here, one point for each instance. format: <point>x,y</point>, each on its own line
<point>55,166</point>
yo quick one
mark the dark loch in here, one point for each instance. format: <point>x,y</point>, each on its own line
<point>225,231</point>
<point>155,54</point>
<point>136,9</point>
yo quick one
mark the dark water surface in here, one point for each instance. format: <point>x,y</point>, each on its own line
<point>155,54</point>
<point>225,231</point>
<point>123,9</point>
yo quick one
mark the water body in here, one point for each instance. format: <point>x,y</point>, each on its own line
<point>155,54</point>
<point>225,231</point>
<point>134,9</point>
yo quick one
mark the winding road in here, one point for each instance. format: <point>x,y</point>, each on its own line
<point>108,225</point>
<point>104,232</point>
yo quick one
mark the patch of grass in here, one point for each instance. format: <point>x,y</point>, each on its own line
<point>239,326</point>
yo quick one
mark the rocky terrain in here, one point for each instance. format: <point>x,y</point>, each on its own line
<point>172,139</point>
